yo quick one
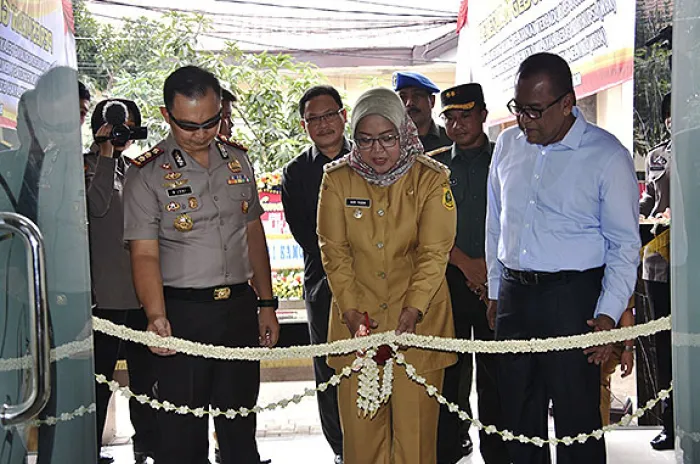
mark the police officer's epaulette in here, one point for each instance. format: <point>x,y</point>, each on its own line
<point>437,151</point>
<point>433,164</point>
<point>142,160</point>
<point>232,143</point>
<point>337,164</point>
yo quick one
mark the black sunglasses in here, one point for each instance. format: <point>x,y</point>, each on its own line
<point>191,126</point>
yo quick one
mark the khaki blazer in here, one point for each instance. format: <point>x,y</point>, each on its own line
<point>386,248</point>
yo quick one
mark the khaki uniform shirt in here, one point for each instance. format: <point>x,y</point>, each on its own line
<point>112,285</point>
<point>656,198</point>
<point>199,216</point>
<point>386,248</point>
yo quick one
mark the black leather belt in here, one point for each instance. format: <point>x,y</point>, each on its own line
<point>218,293</point>
<point>537,278</point>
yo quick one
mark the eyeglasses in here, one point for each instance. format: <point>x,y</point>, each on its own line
<point>367,143</point>
<point>191,126</point>
<point>327,118</point>
<point>532,113</point>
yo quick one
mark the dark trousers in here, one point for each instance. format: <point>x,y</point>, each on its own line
<point>199,382</point>
<point>527,382</point>
<point>317,310</point>
<point>659,294</point>
<point>469,314</point>
<point>139,360</point>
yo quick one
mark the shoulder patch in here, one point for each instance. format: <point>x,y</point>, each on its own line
<point>433,164</point>
<point>437,151</point>
<point>334,165</point>
<point>231,143</point>
<point>142,160</point>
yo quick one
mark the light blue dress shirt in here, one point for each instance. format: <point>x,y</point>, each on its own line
<point>571,205</point>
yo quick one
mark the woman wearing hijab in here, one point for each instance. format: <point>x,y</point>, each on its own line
<point>386,224</point>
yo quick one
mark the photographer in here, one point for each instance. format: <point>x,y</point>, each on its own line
<point>115,123</point>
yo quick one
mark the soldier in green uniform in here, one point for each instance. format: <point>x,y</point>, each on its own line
<point>464,113</point>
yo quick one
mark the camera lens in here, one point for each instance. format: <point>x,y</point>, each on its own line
<point>120,135</point>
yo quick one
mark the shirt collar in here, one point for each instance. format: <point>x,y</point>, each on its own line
<point>347,146</point>
<point>483,149</point>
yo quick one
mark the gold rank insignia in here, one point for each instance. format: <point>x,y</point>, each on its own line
<point>147,157</point>
<point>192,202</point>
<point>234,166</point>
<point>222,293</point>
<point>447,199</point>
<point>183,223</point>
<point>172,176</point>
<point>244,207</point>
<point>176,183</point>
<point>173,206</point>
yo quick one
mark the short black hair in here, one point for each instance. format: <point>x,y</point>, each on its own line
<point>228,96</point>
<point>666,107</point>
<point>550,65</point>
<point>191,82</point>
<point>97,120</point>
<point>317,91</point>
<point>83,92</point>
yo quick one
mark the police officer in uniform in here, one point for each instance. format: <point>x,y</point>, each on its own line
<point>418,95</point>
<point>655,203</point>
<point>464,112</point>
<point>113,292</point>
<point>192,220</point>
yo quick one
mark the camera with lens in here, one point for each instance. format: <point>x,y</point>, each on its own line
<point>116,114</point>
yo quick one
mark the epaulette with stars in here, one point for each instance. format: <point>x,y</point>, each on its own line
<point>142,160</point>
<point>437,151</point>
<point>232,143</point>
<point>433,164</point>
<point>337,164</point>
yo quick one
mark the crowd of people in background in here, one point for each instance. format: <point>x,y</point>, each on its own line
<point>406,225</point>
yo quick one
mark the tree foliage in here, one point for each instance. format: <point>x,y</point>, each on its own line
<point>133,62</point>
<point>652,76</point>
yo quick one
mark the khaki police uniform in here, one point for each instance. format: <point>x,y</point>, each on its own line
<point>199,217</point>
<point>384,249</point>
<point>114,297</point>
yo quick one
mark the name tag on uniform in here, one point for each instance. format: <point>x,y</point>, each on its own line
<point>656,168</point>
<point>176,192</point>
<point>358,202</point>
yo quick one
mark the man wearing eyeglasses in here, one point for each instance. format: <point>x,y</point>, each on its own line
<point>323,117</point>
<point>464,113</point>
<point>562,251</point>
<point>418,95</point>
<point>192,221</point>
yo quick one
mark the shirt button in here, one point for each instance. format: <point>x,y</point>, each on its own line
<point>527,226</point>
<point>221,222</point>
<point>524,252</point>
<point>544,152</point>
<point>532,202</point>
<point>380,213</point>
<point>381,275</point>
<point>227,275</point>
<point>225,247</point>
<point>216,198</point>
<point>537,176</point>
<point>383,306</point>
<point>380,245</point>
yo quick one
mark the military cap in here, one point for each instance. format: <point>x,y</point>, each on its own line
<point>462,97</point>
<point>412,79</point>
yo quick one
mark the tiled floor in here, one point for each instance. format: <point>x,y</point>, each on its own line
<point>292,435</point>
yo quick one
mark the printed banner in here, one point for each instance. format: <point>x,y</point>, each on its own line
<point>35,35</point>
<point>285,252</point>
<point>596,38</point>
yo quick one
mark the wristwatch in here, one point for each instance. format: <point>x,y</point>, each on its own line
<point>271,303</point>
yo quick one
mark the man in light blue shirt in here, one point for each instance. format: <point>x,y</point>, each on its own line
<point>562,251</point>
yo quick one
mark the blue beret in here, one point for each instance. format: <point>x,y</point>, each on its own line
<point>412,79</point>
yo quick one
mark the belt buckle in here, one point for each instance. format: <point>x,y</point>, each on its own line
<point>222,293</point>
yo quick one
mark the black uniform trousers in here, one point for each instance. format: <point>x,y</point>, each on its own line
<point>200,382</point>
<point>139,360</point>
<point>551,305</point>
<point>469,313</point>
<point>659,294</point>
<point>318,305</point>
